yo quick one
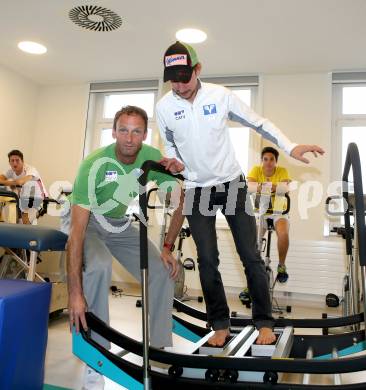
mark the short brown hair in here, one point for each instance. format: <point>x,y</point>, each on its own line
<point>16,152</point>
<point>269,149</point>
<point>130,110</point>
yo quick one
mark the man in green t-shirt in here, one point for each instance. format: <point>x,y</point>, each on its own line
<point>105,185</point>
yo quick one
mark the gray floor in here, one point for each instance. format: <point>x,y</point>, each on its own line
<point>65,370</point>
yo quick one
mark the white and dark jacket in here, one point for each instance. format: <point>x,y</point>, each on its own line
<point>197,133</point>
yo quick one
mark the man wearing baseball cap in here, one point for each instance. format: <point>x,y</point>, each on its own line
<point>179,62</point>
<point>192,118</point>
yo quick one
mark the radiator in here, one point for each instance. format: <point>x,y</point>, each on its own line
<point>315,267</point>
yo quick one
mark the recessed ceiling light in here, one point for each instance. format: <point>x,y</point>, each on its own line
<point>191,35</point>
<point>32,47</point>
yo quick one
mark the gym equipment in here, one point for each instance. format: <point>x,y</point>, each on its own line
<point>186,264</point>
<point>23,333</point>
<point>351,292</point>
<point>9,205</point>
<point>35,239</point>
<point>236,365</point>
<point>11,198</point>
<point>233,368</point>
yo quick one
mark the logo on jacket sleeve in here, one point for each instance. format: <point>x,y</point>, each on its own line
<point>179,115</point>
<point>209,109</point>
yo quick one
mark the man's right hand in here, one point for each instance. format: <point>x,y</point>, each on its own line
<point>77,309</point>
<point>172,164</point>
<point>170,263</point>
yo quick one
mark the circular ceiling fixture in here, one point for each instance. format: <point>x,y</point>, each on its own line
<point>191,35</point>
<point>32,47</point>
<point>95,18</point>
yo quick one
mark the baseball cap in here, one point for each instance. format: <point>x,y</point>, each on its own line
<point>179,61</point>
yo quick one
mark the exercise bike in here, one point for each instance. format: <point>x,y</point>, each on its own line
<point>180,288</point>
<point>351,298</point>
<point>264,206</point>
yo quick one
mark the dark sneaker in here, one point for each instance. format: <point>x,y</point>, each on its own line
<point>282,275</point>
<point>244,296</point>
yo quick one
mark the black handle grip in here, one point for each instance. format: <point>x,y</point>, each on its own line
<point>327,206</point>
<point>15,197</point>
<point>288,204</point>
<point>148,197</point>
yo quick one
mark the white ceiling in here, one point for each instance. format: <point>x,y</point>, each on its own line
<point>244,36</point>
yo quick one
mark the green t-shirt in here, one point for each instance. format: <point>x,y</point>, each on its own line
<point>106,186</point>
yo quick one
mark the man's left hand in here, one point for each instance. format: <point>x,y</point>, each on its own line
<point>170,263</point>
<point>298,152</point>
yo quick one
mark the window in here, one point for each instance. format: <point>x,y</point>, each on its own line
<point>244,140</point>
<point>240,135</point>
<point>349,125</point>
<point>114,102</point>
<point>106,99</point>
<point>354,100</point>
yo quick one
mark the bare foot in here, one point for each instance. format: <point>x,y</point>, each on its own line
<point>266,336</point>
<point>218,339</point>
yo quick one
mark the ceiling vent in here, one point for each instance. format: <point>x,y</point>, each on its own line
<point>95,18</point>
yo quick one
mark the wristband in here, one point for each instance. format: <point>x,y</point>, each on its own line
<point>169,246</point>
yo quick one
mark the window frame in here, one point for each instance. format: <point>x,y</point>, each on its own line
<point>96,121</point>
<point>253,138</point>
<point>340,120</point>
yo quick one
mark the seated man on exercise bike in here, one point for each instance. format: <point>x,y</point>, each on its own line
<point>26,182</point>
<point>270,178</point>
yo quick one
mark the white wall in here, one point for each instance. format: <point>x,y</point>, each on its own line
<point>18,104</point>
<point>300,105</point>
<point>59,132</point>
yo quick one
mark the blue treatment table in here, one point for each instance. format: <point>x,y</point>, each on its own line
<point>34,238</point>
<point>24,307</point>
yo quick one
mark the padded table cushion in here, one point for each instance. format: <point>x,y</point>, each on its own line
<point>23,333</point>
<point>34,238</point>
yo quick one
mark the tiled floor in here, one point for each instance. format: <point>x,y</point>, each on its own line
<point>65,370</point>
